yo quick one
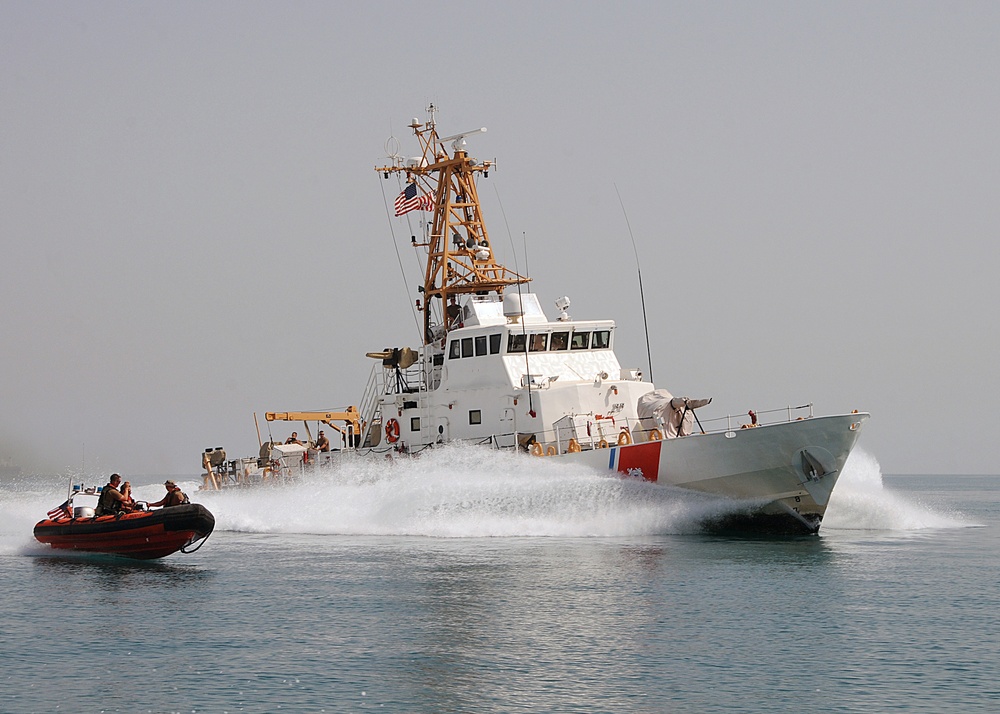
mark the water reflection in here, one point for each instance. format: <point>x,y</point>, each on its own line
<point>112,574</point>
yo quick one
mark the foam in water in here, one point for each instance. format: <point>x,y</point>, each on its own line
<point>462,491</point>
<point>470,492</point>
<point>861,502</point>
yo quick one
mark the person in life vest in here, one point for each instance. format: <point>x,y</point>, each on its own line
<point>174,497</point>
<point>112,501</point>
<point>129,502</point>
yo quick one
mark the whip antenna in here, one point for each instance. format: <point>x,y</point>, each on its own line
<point>638,270</point>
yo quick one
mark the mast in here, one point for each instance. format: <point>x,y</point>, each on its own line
<point>460,257</point>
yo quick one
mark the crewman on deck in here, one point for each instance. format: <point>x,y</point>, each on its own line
<point>174,497</point>
<point>293,439</point>
<point>322,443</point>
<point>112,502</point>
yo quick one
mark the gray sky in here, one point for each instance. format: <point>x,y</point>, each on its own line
<point>192,229</point>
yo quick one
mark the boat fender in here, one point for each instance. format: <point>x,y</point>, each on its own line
<point>551,451</point>
<point>602,444</point>
<point>536,449</point>
<point>655,435</point>
<point>392,431</point>
<point>624,438</point>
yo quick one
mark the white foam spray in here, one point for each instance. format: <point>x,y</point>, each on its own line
<point>461,491</point>
<point>862,502</point>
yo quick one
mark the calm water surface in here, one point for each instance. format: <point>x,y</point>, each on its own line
<point>894,607</point>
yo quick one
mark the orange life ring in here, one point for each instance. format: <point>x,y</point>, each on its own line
<point>624,438</point>
<point>392,431</point>
<point>655,435</point>
<point>536,449</point>
<point>602,444</point>
<point>551,451</point>
<point>574,447</point>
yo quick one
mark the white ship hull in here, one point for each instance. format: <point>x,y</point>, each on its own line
<point>786,472</point>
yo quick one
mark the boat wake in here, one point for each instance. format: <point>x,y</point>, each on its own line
<point>461,491</point>
<point>466,492</point>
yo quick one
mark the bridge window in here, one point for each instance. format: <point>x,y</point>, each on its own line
<point>581,340</point>
<point>560,341</point>
<point>602,339</point>
<point>516,343</point>
<point>480,345</point>
<point>456,350</point>
<point>466,346</point>
<point>538,342</point>
<point>495,343</point>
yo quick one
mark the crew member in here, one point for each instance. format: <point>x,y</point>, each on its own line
<point>293,439</point>
<point>174,497</point>
<point>322,443</point>
<point>112,501</point>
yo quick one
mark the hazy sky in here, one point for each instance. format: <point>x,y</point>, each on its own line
<point>192,229</point>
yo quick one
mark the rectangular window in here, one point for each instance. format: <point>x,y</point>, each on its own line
<point>414,423</point>
<point>560,341</point>
<point>515,343</point>
<point>466,346</point>
<point>480,345</point>
<point>495,344</point>
<point>475,416</point>
<point>538,342</point>
<point>581,340</point>
<point>602,339</point>
<point>456,350</point>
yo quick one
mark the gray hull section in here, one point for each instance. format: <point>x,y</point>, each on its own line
<point>789,468</point>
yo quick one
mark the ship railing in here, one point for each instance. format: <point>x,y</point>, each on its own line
<point>758,418</point>
<point>627,430</point>
<point>369,408</point>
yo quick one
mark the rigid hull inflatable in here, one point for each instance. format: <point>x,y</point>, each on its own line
<point>143,535</point>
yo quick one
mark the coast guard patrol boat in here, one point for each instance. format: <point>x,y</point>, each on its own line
<point>495,370</point>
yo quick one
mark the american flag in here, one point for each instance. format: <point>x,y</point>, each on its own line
<point>60,512</point>
<point>408,200</point>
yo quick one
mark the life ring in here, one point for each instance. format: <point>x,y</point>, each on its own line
<point>602,444</point>
<point>624,438</point>
<point>574,447</point>
<point>536,449</point>
<point>655,435</point>
<point>551,451</point>
<point>392,431</point>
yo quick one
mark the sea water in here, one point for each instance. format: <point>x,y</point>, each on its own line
<point>465,582</point>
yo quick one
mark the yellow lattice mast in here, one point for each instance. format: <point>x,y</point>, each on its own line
<point>460,257</point>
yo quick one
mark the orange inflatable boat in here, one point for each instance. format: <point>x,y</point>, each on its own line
<point>142,534</point>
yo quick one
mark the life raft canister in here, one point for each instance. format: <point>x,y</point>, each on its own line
<point>392,431</point>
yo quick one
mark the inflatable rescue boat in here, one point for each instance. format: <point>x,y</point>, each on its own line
<point>143,535</point>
